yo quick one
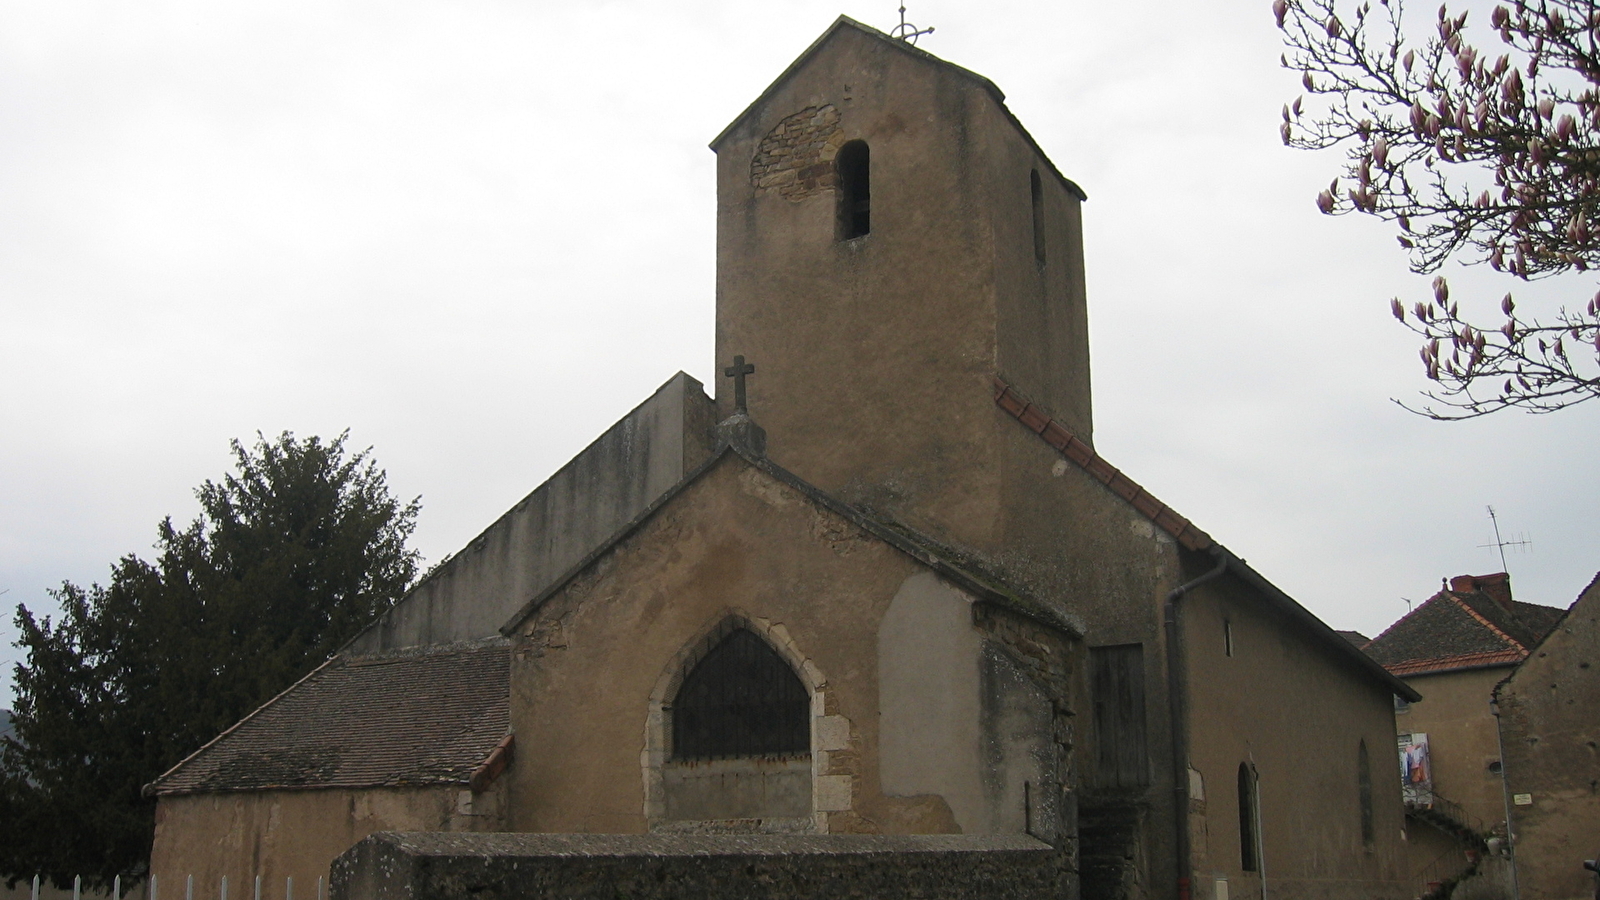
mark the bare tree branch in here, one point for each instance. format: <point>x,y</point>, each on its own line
<point>1480,157</point>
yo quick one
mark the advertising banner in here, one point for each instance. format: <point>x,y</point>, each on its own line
<point>1416,770</point>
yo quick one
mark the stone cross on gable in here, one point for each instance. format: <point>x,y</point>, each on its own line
<point>737,372</point>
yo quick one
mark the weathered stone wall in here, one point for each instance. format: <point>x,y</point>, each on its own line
<point>1551,733</point>
<point>795,159</point>
<point>663,867</point>
<point>603,488</point>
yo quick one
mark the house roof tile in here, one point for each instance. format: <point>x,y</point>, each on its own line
<point>1458,629</point>
<point>424,716</point>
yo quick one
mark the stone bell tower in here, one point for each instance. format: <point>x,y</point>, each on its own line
<point>889,238</point>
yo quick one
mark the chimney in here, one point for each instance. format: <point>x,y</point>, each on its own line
<point>1497,586</point>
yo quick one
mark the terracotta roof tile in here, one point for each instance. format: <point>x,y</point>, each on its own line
<point>430,715</point>
<point>1464,661</point>
<point>1181,529</point>
<point>1461,629</point>
<point>1039,421</point>
<point>1356,638</point>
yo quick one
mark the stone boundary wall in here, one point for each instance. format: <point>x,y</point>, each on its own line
<point>443,866</point>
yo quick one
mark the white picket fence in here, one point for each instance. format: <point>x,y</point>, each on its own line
<point>188,888</point>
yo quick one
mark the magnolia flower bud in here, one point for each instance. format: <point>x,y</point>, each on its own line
<point>1441,290</point>
<point>1333,26</point>
<point>1398,310</point>
<point>1506,306</point>
<point>1280,9</point>
<point>1380,152</point>
<point>1325,203</point>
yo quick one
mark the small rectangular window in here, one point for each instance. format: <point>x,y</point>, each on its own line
<point>1036,190</point>
<point>1227,637</point>
<point>1364,792</point>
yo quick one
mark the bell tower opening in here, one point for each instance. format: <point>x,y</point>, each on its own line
<point>855,190</point>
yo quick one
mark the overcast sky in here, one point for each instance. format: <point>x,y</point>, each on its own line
<point>476,233</point>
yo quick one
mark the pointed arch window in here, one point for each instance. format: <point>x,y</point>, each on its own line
<point>855,190</point>
<point>740,700</point>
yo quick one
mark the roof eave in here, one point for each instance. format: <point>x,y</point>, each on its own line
<point>1307,618</point>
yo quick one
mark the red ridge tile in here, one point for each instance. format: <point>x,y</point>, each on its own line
<point>1056,435</point>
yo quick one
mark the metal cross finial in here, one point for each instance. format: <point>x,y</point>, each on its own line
<point>737,372</point>
<point>908,32</point>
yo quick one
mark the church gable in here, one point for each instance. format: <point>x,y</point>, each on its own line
<point>844,26</point>
<point>748,589</point>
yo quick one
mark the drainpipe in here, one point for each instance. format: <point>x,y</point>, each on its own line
<point>1176,693</point>
<point>1505,791</point>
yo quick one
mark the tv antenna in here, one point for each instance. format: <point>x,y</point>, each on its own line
<point>908,32</point>
<point>1501,544</point>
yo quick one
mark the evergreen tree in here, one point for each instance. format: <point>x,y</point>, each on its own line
<point>293,553</point>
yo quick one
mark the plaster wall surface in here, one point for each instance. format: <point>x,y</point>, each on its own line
<point>1551,734</point>
<point>603,488</point>
<point>280,835</point>
<point>1462,743</point>
<point>1297,714</point>
<point>929,686</point>
<point>733,542</point>
<point>721,789</point>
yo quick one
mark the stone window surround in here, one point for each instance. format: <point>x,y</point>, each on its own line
<point>830,793</point>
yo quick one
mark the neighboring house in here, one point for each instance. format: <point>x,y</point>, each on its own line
<point>1550,725</point>
<point>1454,648</point>
<point>912,600</point>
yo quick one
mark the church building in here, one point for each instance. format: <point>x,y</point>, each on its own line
<point>880,583</point>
